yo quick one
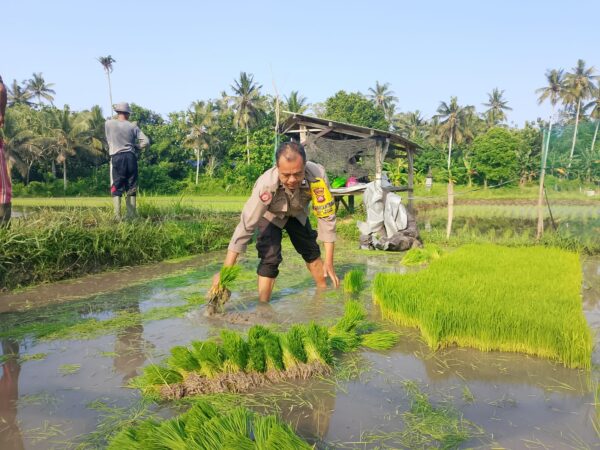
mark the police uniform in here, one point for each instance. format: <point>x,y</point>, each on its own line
<point>271,208</point>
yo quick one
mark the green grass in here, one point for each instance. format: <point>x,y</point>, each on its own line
<point>495,298</point>
<point>424,255</point>
<point>54,245</point>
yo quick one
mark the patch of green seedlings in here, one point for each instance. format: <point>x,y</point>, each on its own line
<point>495,298</point>
<point>424,255</point>
<point>354,282</point>
<point>202,427</point>
<point>219,294</point>
<point>68,369</point>
<point>237,364</point>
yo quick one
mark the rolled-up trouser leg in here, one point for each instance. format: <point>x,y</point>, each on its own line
<point>268,244</point>
<point>5,213</point>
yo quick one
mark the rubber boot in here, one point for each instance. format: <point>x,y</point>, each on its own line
<point>117,206</point>
<point>130,204</point>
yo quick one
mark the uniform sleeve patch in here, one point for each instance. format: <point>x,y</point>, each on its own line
<point>266,197</point>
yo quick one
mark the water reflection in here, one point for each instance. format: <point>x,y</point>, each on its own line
<point>10,433</point>
<point>130,346</point>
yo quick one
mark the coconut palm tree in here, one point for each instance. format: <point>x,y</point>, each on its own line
<point>295,103</point>
<point>383,98</point>
<point>39,88</point>
<point>497,107</point>
<point>595,111</point>
<point>18,95</point>
<point>70,134</point>
<point>411,124</point>
<point>579,86</point>
<point>452,118</point>
<point>247,105</point>
<point>107,63</point>
<point>201,118</point>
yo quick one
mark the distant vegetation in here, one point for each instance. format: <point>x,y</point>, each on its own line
<point>223,144</point>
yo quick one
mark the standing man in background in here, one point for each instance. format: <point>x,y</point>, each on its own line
<point>123,139</point>
<point>5,184</point>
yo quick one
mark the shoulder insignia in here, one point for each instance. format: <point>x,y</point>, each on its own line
<point>266,197</point>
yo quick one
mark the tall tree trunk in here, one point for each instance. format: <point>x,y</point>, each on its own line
<point>65,174</point>
<point>53,169</point>
<point>595,135</point>
<point>109,94</point>
<point>450,192</point>
<point>574,135</point>
<point>197,165</point>
<point>248,144</point>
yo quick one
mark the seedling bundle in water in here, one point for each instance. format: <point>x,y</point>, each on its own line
<point>203,428</point>
<point>495,298</point>
<point>354,282</point>
<point>238,364</point>
<point>219,295</point>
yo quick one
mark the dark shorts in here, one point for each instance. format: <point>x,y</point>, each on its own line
<point>124,174</point>
<point>268,244</point>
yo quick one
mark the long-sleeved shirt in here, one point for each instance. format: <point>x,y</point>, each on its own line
<point>124,136</point>
<point>271,200</point>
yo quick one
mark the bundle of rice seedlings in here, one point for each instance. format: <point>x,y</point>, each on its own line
<point>154,375</point>
<point>343,341</point>
<point>235,350</point>
<point>270,433</point>
<point>256,349</point>
<point>235,423</point>
<point>182,360</point>
<point>354,315</point>
<point>424,255</point>
<point>380,340</point>
<point>209,356</point>
<point>295,343</point>
<point>197,415</point>
<point>316,344</point>
<point>171,434</point>
<point>273,353</point>
<point>354,281</point>
<point>218,295</point>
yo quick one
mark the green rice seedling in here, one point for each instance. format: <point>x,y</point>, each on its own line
<point>273,353</point>
<point>156,375</point>
<point>235,350</point>
<point>495,298</point>
<point>423,255</point>
<point>316,344</point>
<point>295,343</point>
<point>182,360</point>
<point>354,281</point>
<point>219,295</point>
<point>380,340</point>
<point>235,423</point>
<point>135,437</point>
<point>344,341</point>
<point>209,356</point>
<point>354,314</point>
<point>270,433</point>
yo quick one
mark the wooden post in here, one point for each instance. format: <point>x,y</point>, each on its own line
<point>378,161</point>
<point>303,134</point>
<point>411,174</point>
<point>540,205</point>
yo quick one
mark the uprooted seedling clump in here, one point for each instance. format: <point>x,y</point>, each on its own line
<point>265,356</point>
<point>219,294</point>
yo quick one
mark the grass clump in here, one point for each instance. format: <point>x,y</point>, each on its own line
<point>495,298</point>
<point>354,282</point>
<point>202,427</point>
<point>424,255</point>
<point>237,365</point>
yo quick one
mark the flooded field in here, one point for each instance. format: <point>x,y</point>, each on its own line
<point>69,349</point>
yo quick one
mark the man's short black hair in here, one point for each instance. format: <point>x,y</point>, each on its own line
<point>294,147</point>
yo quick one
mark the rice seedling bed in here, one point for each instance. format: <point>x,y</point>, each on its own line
<point>238,365</point>
<point>495,298</point>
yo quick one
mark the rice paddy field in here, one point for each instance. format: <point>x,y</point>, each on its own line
<point>73,350</point>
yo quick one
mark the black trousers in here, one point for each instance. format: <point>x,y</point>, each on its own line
<point>124,173</point>
<point>268,244</point>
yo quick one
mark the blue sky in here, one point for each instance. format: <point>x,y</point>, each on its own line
<point>170,53</point>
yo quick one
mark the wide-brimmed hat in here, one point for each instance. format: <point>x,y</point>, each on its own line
<point>122,107</point>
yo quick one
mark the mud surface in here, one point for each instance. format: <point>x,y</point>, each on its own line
<point>49,389</point>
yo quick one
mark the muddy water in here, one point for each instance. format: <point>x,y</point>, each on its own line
<point>517,401</point>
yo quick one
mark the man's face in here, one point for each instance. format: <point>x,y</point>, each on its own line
<point>291,172</point>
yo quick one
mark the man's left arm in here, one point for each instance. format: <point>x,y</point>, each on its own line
<point>142,139</point>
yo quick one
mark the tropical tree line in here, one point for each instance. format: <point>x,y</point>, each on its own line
<point>228,141</point>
